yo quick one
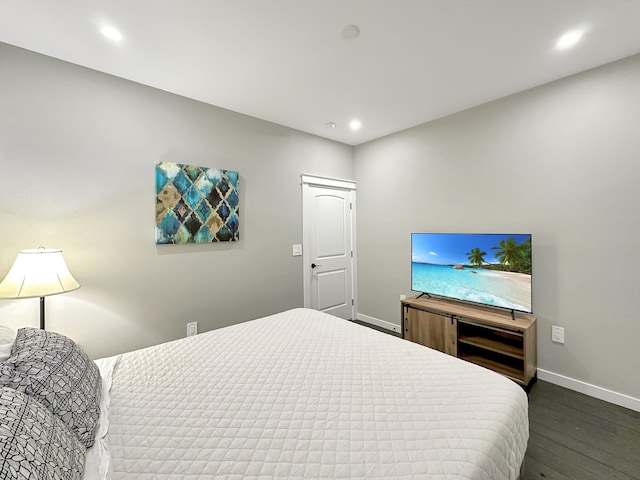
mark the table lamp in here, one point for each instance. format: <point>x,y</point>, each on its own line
<point>38,272</point>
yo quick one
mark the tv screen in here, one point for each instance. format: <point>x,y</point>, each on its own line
<point>486,268</point>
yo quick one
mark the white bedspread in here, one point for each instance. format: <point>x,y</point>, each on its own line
<point>303,394</point>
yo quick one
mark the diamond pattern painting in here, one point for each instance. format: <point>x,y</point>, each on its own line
<point>196,204</point>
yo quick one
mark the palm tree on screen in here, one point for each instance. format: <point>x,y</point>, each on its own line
<point>476,256</point>
<point>509,253</point>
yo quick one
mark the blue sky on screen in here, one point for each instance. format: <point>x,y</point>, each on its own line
<point>452,248</point>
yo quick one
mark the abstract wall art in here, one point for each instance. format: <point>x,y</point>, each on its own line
<point>196,204</point>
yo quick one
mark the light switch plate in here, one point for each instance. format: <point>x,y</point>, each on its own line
<point>297,250</point>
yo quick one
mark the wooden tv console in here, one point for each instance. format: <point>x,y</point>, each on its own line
<point>486,336</point>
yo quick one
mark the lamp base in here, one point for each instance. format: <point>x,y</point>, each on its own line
<point>42,313</point>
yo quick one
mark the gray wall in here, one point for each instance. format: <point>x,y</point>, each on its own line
<point>78,148</point>
<point>77,156</point>
<point>562,162</point>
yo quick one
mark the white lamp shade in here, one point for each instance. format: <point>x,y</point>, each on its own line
<point>38,273</point>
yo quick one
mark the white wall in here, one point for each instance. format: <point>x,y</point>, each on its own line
<point>77,156</point>
<point>562,162</point>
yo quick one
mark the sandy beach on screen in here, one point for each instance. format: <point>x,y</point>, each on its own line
<point>521,279</point>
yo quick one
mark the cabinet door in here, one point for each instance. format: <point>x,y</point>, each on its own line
<point>431,330</point>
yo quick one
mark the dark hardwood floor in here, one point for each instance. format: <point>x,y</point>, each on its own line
<point>574,436</point>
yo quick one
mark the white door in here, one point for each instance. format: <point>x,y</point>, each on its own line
<point>328,209</point>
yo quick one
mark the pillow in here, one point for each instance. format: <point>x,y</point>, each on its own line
<point>55,371</point>
<point>7,337</point>
<point>35,444</point>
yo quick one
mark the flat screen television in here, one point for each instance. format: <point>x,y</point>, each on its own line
<point>486,268</point>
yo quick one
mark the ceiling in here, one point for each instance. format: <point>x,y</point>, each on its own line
<point>287,61</point>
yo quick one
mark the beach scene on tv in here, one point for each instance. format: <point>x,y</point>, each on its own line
<point>491,269</point>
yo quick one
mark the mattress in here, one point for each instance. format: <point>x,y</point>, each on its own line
<point>303,394</point>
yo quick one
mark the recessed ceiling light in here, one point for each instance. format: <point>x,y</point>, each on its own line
<point>355,124</point>
<point>111,33</point>
<point>569,39</point>
<point>350,32</point>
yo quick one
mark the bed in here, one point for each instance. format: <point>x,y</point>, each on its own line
<point>302,394</point>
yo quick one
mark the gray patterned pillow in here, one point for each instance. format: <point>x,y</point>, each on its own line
<point>55,371</point>
<point>35,444</point>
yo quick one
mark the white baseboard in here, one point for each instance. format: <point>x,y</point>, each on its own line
<point>591,390</point>
<point>378,323</point>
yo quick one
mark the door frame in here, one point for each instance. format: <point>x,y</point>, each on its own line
<point>336,184</point>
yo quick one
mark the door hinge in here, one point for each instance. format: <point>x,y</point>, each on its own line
<point>350,206</point>
<point>353,302</point>
<point>351,253</point>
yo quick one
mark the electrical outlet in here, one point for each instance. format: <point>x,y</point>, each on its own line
<point>402,297</point>
<point>192,329</point>
<point>557,334</point>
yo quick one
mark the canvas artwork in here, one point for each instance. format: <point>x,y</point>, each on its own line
<point>196,204</point>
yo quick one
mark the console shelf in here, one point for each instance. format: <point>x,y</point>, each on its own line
<point>492,345</point>
<point>488,337</point>
<point>506,370</point>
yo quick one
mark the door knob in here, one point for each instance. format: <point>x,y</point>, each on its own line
<point>314,265</point>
